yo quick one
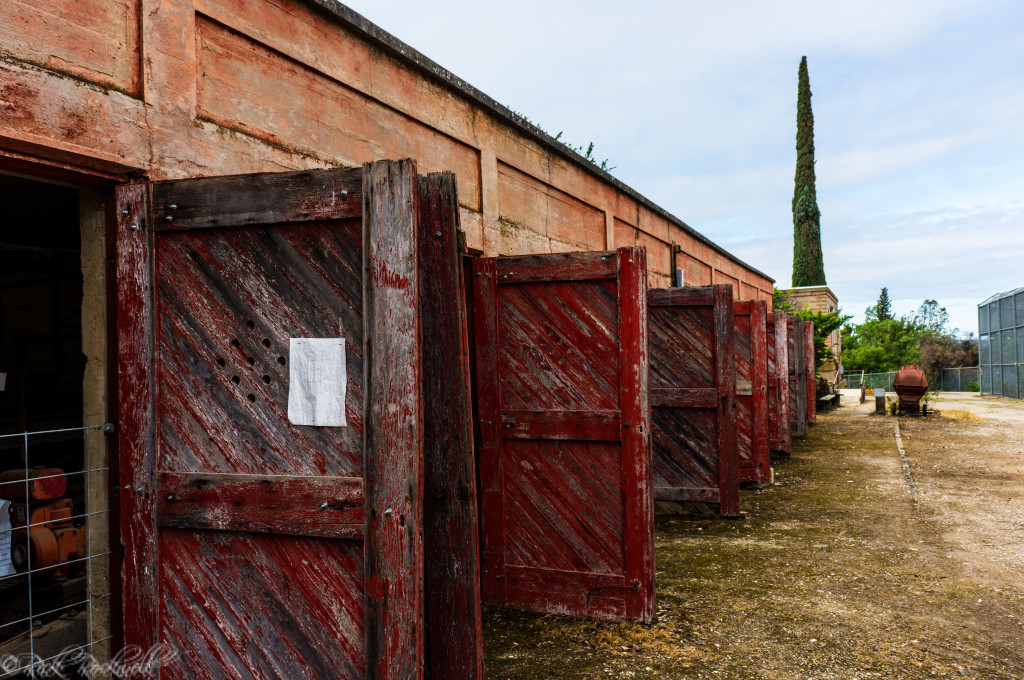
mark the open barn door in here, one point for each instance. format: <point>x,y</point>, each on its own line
<point>779,437</point>
<point>812,368</point>
<point>693,400</point>
<point>271,416</point>
<point>796,355</point>
<point>562,372</point>
<point>752,390</point>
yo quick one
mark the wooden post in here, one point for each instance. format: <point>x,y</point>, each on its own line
<point>393,412</point>
<point>451,550</point>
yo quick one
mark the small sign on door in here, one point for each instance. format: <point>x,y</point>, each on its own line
<point>317,382</point>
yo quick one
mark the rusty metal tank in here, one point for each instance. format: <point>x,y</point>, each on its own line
<point>910,385</point>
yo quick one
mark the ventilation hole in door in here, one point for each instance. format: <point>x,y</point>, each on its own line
<point>251,360</point>
<point>251,398</point>
<point>266,342</point>
<point>266,380</point>
<point>235,379</point>
<point>280,361</point>
<point>221,362</point>
<point>250,325</point>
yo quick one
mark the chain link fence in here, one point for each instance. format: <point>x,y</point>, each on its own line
<point>963,379</point>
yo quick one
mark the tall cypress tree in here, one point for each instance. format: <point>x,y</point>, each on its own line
<point>807,260</point>
<point>808,264</point>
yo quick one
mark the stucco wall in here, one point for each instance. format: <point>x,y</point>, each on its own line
<point>182,88</point>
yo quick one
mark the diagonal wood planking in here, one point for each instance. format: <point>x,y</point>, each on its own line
<point>752,390</point>
<point>561,352</point>
<point>255,548</point>
<point>693,388</point>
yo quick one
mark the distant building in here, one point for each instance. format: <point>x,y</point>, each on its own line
<point>1001,344</point>
<point>819,299</point>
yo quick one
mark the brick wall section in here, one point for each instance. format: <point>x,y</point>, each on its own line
<point>184,88</point>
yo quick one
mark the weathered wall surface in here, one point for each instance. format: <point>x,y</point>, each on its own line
<point>182,88</point>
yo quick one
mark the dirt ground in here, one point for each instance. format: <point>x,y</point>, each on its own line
<point>847,568</point>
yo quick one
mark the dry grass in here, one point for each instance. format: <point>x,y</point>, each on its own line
<point>962,414</point>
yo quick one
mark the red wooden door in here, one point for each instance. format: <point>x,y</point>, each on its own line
<point>778,384</point>
<point>797,376</point>
<point>562,389</point>
<point>257,544</point>
<point>812,384</point>
<point>752,390</point>
<point>693,400</point>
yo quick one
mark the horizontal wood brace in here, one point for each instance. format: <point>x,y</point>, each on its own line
<point>537,589</point>
<point>680,493</point>
<point>578,425</point>
<point>265,198</point>
<point>684,397</point>
<point>681,297</point>
<point>268,504</point>
<point>559,267</point>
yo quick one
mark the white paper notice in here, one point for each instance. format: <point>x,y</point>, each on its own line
<point>6,567</point>
<point>317,382</point>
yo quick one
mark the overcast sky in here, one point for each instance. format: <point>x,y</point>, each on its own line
<point>918,120</point>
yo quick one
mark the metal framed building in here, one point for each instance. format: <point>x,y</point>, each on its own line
<point>1001,344</point>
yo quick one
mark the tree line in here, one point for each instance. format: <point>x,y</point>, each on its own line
<point>923,337</point>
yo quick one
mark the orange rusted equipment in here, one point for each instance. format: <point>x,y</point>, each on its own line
<point>910,385</point>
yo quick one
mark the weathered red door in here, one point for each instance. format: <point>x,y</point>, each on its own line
<point>812,384</point>
<point>752,390</point>
<point>797,376</point>
<point>778,384</point>
<point>693,400</point>
<point>271,486</point>
<point>562,390</point>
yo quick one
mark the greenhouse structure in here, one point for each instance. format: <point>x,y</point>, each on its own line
<point>1001,346</point>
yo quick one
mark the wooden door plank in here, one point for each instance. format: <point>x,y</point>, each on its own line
<point>393,423</point>
<point>556,267</point>
<point>636,448</point>
<point>812,385</point>
<point>492,516</point>
<point>451,550</point>
<point>330,507</point>
<point>725,376</point>
<point>263,198</point>
<point>137,431</point>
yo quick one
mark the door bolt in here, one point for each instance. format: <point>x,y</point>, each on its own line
<point>388,511</point>
<point>323,506</point>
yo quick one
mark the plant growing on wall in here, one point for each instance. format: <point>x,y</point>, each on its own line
<point>808,263</point>
<point>587,153</point>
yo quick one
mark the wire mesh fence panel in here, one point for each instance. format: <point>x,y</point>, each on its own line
<point>960,379</point>
<point>54,553</point>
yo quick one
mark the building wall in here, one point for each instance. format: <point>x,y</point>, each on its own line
<point>184,88</point>
<point>818,299</point>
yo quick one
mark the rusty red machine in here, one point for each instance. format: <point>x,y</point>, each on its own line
<point>910,385</point>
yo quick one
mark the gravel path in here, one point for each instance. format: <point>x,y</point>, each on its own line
<point>835,573</point>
